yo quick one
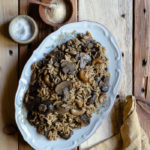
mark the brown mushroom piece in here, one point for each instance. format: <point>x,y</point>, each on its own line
<point>66,135</point>
<point>90,45</point>
<point>84,59</point>
<point>65,94</point>
<point>105,88</point>
<point>62,109</point>
<point>63,89</point>
<point>72,51</point>
<point>97,79</point>
<point>105,85</point>
<point>77,58</point>
<point>59,109</point>
<point>68,67</point>
<point>42,108</point>
<point>105,79</point>
<point>85,119</point>
<point>57,55</point>
<point>33,104</point>
<point>91,100</point>
<point>49,106</point>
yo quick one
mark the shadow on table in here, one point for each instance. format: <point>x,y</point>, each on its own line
<point>8,89</point>
<point>116,119</point>
<point>7,103</point>
<point>4,31</point>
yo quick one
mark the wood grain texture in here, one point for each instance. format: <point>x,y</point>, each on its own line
<point>25,51</point>
<point>8,75</point>
<point>142,49</point>
<point>117,17</point>
<point>109,127</point>
<point>142,58</point>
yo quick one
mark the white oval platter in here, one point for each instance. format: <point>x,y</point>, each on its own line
<point>63,34</point>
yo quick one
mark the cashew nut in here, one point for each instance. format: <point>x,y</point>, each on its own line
<point>97,61</point>
<point>77,112</point>
<point>79,103</point>
<point>101,98</point>
<point>82,76</point>
<point>46,79</point>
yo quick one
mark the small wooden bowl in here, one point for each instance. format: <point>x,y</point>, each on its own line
<point>69,17</point>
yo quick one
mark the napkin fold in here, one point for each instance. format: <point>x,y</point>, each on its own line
<point>131,135</point>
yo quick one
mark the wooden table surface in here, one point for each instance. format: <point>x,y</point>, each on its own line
<point>127,20</point>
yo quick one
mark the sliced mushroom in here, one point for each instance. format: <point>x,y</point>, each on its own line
<point>33,89</point>
<point>94,52</point>
<point>92,99</point>
<point>72,51</point>
<point>68,67</point>
<point>104,84</point>
<point>77,58</point>
<point>65,94</point>
<point>56,64</point>
<point>57,55</point>
<point>78,112</point>
<point>82,76</point>
<point>105,79</point>
<point>76,41</point>
<point>62,110</point>
<point>85,119</point>
<point>61,86</point>
<point>66,135</point>
<point>105,88</point>
<point>84,58</point>
<point>49,105</point>
<point>90,45</point>
<point>97,61</point>
<point>32,104</point>
<point>97,79</point>
<point>42,108</point>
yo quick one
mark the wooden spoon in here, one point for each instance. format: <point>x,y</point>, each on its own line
<point>39,3</point>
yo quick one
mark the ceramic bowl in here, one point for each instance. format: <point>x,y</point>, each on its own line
<point>33,25</point>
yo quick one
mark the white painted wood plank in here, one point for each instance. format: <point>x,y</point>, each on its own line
<point>8,74</point>
<point>117,17</point>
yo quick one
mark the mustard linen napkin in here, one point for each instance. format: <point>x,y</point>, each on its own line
<point>131,135</point>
